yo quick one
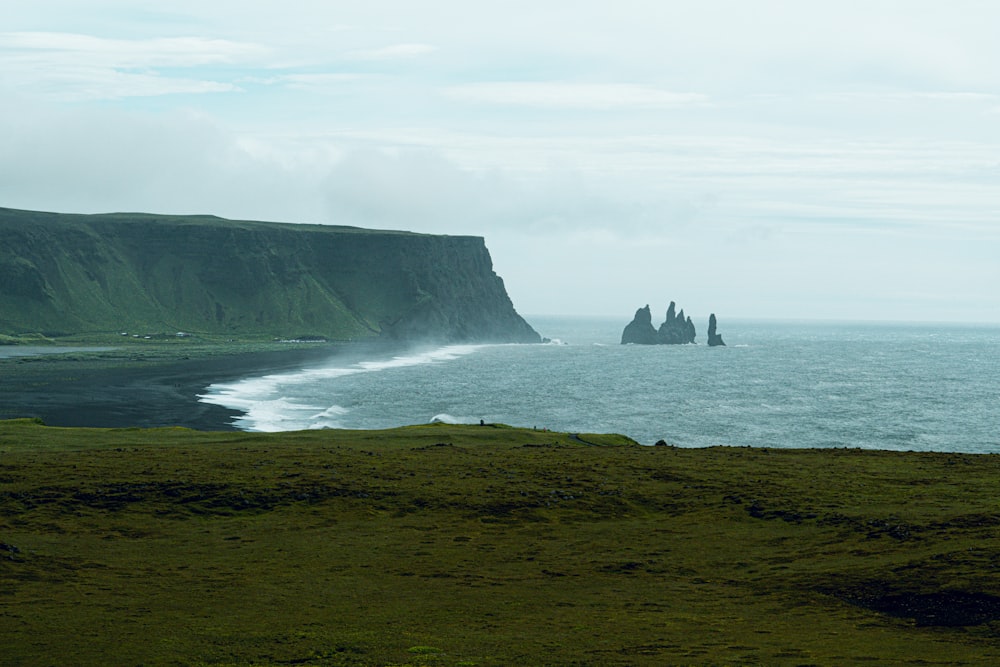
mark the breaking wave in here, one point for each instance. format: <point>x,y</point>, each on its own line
<point>290,401</point>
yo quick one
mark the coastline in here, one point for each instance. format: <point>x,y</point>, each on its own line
<point>122,389</point>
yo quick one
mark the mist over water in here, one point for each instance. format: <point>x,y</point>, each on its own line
<point>875,386</point>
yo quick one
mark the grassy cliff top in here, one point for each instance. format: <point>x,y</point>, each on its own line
<point>19,216</point>
<point>487,545</point>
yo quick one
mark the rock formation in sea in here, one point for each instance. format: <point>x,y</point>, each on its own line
<point>640,330</point>
<point>135,272</point>
<point>714,339</point>
<point>677,329</point>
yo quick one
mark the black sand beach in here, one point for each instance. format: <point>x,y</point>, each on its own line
<point>117,391</point>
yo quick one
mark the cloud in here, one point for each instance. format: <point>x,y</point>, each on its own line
<point>96,160</point>
<point>422,189</point>
<point>393,52</point>
<point>74,67</point>
<point>87,84</point>
<point>908,97</point>
<point>560,95</point>
<point>324,82</point>
<point>58,48</point>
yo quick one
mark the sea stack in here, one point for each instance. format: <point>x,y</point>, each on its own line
<point>677,329</point>
<point>640,330</point>
<point>714,339</point>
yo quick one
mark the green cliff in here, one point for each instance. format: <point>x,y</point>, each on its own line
<point>69,274</point>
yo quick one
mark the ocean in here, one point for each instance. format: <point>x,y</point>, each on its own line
<point>918,387</point>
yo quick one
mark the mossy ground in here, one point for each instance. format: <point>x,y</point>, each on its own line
<point>480,545</point>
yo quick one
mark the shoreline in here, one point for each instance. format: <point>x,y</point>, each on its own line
<point>122,390</point>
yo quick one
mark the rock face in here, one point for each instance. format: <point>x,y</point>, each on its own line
<point>714,339</point>
<point>62,274</point>
<point>675,330</point>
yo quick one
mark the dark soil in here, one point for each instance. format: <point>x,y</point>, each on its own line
<point>937,609</point>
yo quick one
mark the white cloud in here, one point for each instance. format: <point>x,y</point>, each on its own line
<point>319,82</point>
<point>423,188</point>
<point>393,52</point>
<point>897,96</point>
<point>93,160</point>
<point>74,67</point>
<point>83,83</point>
<point>561,95</point>
<point>58,48</point>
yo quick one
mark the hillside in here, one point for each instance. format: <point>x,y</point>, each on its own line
<point>66,274</point>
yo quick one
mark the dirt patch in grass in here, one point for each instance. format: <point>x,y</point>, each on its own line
<point>938,609</point>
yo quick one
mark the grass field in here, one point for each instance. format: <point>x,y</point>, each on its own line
<point>487,545</point>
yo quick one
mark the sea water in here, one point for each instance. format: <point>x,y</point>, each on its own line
<point>775,384</point>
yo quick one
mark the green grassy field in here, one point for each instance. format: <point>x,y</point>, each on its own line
<point>487,545</point>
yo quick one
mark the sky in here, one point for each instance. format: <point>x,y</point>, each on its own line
<point>789,159</point>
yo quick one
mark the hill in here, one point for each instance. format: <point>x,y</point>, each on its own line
<point>64,274</point>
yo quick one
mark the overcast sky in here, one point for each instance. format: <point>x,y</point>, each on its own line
<point>752,158</point>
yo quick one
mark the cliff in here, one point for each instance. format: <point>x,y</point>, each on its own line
<point>63,274</point>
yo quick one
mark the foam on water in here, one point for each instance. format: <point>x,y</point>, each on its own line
<point>286,401</point>
<point>329,418</point>
<point>280,414</point>
<point>445,418</point>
